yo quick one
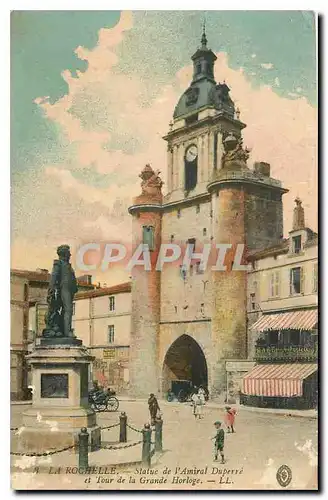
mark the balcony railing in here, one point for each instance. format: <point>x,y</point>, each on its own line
<point>286,354</point>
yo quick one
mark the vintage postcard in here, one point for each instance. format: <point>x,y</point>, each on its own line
<point>164,252</point>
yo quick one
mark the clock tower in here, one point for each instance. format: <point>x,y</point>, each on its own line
<point>202,119</point>
<point>189,320</point>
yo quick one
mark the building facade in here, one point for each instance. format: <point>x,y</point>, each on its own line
<point>283,320</point>
<point>189,322</point>
<point>28,305</point>
<point>101,319</point>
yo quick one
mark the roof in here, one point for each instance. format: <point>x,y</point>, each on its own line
<point>296,320</point>
<point>42,277</point>
<point>276,249</point>
<point>283,380</point>
<point>99,292</point>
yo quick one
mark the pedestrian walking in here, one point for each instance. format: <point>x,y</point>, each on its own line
<point>219,442</point>
<point>153,408</point>
<point>229,418</point>
<point>201,394</point>
<point>197,406</point>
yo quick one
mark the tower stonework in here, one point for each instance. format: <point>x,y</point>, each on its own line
<point>188,322</point>
<point>145,317</point>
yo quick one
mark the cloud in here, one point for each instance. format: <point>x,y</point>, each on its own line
<point>114,127</point>
<point>277,81</point>
<point>299,89</point>
<point>267,65</point>
<point>253,56</point>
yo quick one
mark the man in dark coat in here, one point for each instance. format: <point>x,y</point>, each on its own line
<point>153,408</point>
<point>63,286</point>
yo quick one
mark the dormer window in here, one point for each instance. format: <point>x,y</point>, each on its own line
<point>297,244</point>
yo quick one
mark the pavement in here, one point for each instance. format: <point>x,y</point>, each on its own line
<point>312,414</point>
<point>263,442</point>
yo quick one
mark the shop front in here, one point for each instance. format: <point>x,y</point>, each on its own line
<point>286,373</point>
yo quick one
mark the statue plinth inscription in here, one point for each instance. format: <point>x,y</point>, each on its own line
<point>54,385</point>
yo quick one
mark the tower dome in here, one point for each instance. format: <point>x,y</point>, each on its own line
<point>203,91</point>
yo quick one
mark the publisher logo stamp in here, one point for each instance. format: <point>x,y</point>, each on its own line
<point>284,475</point>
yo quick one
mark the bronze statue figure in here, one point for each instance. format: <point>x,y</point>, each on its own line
<point>62,287</point>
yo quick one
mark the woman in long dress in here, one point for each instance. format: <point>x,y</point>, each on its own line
<point>196,406</point>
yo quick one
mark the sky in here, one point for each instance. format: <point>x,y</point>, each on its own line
<point>92,94</point>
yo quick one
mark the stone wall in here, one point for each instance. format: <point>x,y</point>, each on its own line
<point>264,217</point>
<point>235,370</point>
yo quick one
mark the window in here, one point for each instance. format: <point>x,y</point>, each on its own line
<point>253,304</point>
<point>199,270</point>
<point>178,213</point>
<point>183,272</point>
<point>315,277</point>
<point>111,334</point>
<point>197,209</point>
<point>73,308</point>
<point>172,238</point>
<point>274,284</point>
<point>198,69</point>
<point>296,278</point>
<point>191,246</point>
<point>112,303</point>
<point>148,236</point>
<point>297,244</point>
<point>204,231</point>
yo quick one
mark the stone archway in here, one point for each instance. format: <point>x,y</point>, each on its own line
<point>184,360</point>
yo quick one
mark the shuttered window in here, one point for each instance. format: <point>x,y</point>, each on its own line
<point>148,237</point>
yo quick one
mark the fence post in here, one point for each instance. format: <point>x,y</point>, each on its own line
<point>123,430</point>
<point>159,434</point>
<point>83,448</point>
<point>146,444</point>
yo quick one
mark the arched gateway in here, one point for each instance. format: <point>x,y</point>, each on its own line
<point>184,360</point>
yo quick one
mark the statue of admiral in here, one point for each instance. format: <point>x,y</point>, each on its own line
<point>62,287</point>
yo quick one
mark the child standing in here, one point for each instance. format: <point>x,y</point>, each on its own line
<point>219,442</point>
<point>230,418</point>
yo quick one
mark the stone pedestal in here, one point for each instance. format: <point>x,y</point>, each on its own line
<point>60,397</point>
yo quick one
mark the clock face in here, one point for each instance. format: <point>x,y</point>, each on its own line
<point>191,153</point>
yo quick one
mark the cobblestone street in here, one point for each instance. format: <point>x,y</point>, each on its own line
<point>261,444</point>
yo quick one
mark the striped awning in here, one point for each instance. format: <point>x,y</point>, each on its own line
<point>296,320</point>
<point>277,380</point>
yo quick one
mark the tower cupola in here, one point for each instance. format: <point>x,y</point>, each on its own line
<point>203,91</point>
<point>203,60</point>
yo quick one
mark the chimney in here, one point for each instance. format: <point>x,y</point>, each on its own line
<point>298,216</point>
<point>262,169</point>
